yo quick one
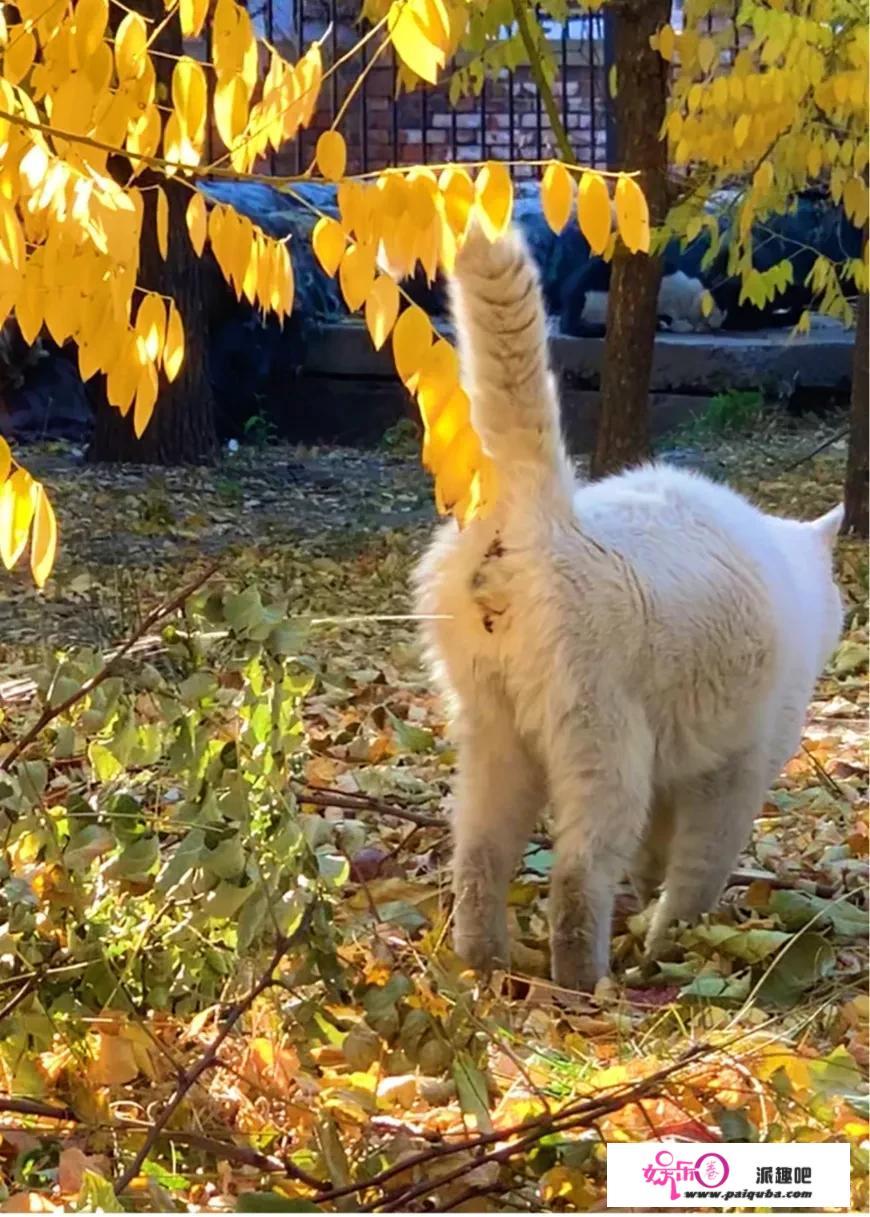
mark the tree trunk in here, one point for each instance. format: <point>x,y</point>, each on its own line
<point>639,105</point>
<point>859,435</point>
<point>182,427</point>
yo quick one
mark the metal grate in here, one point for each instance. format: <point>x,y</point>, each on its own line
<point>505,121</point>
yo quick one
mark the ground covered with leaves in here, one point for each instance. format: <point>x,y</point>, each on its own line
<point>225,973</point>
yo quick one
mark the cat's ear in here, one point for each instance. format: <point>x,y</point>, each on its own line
<point>829,525</point>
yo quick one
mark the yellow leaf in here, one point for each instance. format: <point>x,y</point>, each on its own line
<point>5,460</point>
<point>332,155</point>
<point>192,13</point>
<point>707,304</point>
<point>382,309</point>
<point>410,34</point>
<point>150,327</point>
<point>34,166</point>
<point>667,42</point>
<point>173,348</point>
<point>230,108</point>
<point>329,242</point>
<point>557,195</point>
<point>43,544</point>
<point>19,55</point>
<point>123,378</point>
<point>284,289</point>
<point>114,1063</point>
<point>146,397</point>
<point>741,130</point>
<point>309,75</point>
<point>16,512</point>
<point>131,42</point>
<point>437,380</point>
<point>356,274</point>
<point>451,417</point>
<point>197,221</point>
<point>855,201</point>
<point>457,466</point>
<point>707,54</point>
<point>593,211</point>
<point>190,96</point>
<point>457,189</point>
<point>412,338</point>
<point>494,193</point>
<point>632,215</point>
<point>162,206</point>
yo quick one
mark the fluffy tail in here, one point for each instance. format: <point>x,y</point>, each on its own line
<point>500,320</point>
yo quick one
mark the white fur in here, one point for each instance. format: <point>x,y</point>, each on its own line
<point>680,299</point>
<point>638,653</point>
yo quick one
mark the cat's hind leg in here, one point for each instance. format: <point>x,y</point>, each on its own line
<point>713,818</point>
<point>648,869</point>
<point>500,791</point>
<point>599,771</point>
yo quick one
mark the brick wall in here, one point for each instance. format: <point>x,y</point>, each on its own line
<point>507,121</point>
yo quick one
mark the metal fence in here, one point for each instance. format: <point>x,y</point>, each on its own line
<point>506,120</point>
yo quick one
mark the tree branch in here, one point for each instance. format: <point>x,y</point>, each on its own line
<point>521,14</point>
<point>207,1060</point>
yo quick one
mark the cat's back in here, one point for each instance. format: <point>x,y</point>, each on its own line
<point>673,525</point>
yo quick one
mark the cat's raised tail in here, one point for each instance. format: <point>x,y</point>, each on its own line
<point>500,320</point>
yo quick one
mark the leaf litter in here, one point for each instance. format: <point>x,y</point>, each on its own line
<point>385,1075</point>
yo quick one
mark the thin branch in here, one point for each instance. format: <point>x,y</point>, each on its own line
<point>187,1079</point>
<point>33,1107</point>
<point>52,712</point>
<point>559,133</point>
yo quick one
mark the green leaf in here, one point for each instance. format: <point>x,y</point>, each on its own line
<point>227,859</point>
<point>797,909</point>
<point>538,861</point>
<point>409,737</point>
<point>97,1195</point>
<point>273,1202</point>
<point>225,900</point>
<point>185,857</point>
<point>197,688</point>
<point>106,767</point>
<point>251,919</point>
<point>137,859</point>
<point>243,610</point>
<point>32,776</point>
<point>736,1126</point>
<point>717,988</point>
<point>747,944</point>
<point>334,868</point>
<point>472,1089</point>
<point>808,959</point>
<point>837,1073</point>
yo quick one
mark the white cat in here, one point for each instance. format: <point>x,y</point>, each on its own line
<point>636,653</point>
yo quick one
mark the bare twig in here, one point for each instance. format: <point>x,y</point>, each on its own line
<point>33,1107</point>
<point>52,712</point>
<point>207,1060</point>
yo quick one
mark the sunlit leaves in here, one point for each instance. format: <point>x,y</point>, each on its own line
<point>17,504</point>
<point>632,215</point>
<point>593,211</point>
<point>197,222</point>
<point>331,155</point>
<point>494,195</point>
<point>43,545</point>
<point>356,274</point>
<point>785,111</point>
<point>420,33</point>
<point>557,195</point>
<point>382,309</point>
<point>328,241</point>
